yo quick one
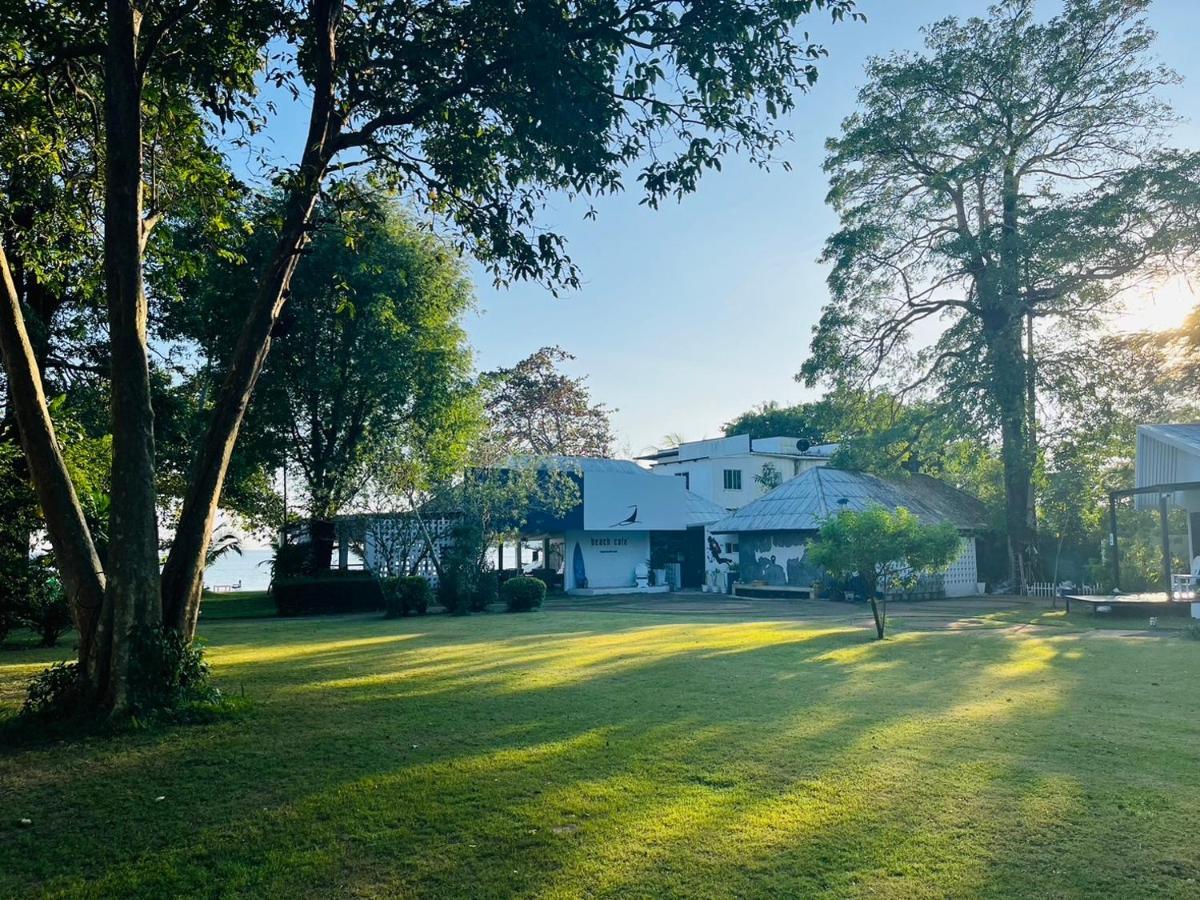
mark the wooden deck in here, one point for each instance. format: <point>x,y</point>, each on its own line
<point>1154,601</point>
<point>773,591</point>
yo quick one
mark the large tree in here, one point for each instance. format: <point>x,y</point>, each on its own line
<point>1012,175</point>
<point>371,347</point>
<point>476,111</point>
<point>535,408</point>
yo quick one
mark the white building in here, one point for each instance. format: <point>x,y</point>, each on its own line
<point>732,471</point>
<point>625,525</point>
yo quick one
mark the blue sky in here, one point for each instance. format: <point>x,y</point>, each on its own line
<point>694,312</point>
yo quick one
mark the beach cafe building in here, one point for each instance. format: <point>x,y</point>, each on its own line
<point>631,531</point>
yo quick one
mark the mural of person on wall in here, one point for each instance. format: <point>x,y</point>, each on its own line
<point>773,573</point>
<point>714,550</point>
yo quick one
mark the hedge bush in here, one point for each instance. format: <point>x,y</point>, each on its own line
<point>523,594</point>
<point>291,561</point>
<point>410,594</point>
<point>487,591</point>
<point>333,592</point>
<point>551,577</point>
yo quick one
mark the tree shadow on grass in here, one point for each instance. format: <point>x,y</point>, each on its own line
<point>770,758</point>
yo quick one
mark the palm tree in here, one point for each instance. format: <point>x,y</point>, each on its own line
<point>223,542</point>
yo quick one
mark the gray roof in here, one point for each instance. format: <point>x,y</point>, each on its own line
<point>804,502</point>
<point>1184,436</point>
<point>701,510</point>
<point>585,464</point>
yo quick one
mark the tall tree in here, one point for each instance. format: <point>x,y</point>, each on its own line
<point>101,59</point>
<point>370,349</point>
<point>1014,170</point>
<point>537,409</point>
<point>477,112</point>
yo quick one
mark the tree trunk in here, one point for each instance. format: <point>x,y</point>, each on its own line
<point>78,562</point>
<point>879,613</point>
<point>1007,367</point>
<point>132,596</point>
<point>184,572</point>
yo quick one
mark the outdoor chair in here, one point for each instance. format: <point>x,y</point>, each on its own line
<point>1185,585</point>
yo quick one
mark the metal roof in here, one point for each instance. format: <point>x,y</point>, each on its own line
<point>585,464</point>
<point>1166,454</point>
<point>1183,436</point>
<point>700,510</point>
<point>804,502</point>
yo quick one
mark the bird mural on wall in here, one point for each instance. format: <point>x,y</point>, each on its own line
<point>631,519</point>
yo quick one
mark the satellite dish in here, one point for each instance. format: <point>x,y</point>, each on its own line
<point>803,445</point>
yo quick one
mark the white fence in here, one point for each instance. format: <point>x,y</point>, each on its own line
<point>1050,589</point>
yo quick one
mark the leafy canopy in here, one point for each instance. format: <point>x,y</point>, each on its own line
<point>882,547</point>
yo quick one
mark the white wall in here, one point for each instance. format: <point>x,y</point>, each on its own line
<point>608,558</point>
<point>962,577</point>
<point>706,477</point>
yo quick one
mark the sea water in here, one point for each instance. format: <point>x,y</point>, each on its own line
<point>252,569</point>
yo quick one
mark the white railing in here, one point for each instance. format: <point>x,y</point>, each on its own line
<point>1050,589</point>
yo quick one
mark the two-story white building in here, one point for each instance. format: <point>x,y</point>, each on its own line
<point>732,471</point>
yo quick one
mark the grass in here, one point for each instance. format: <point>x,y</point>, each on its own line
<point>561,754</point>
<point>237,605</point>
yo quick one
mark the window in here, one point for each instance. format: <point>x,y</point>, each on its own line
<point>687,480</point>
<point>731,547</point>
<point>733,479</point>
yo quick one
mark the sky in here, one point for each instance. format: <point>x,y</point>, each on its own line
<point>693,313</point>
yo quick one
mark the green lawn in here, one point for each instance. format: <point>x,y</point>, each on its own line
<point>237,605</point>
<point>563,754</point>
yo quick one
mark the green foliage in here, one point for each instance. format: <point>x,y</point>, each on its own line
<point>408,594</point>
<point>885,549</point>
<point>487,591</point>
<point>370,352</point>
<point>522,593</point>
<point>990,181</point>
<point>534,408</point>
<point>55,693</point>
<point>168,675</point>
<point>46,608</point>
<point>168,679</point>
<point>291,560</point>
<point>329,592</point>
<point>769,478</point>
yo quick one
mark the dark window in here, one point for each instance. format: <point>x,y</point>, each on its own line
<point>687,479</point>
<point>733,479</point>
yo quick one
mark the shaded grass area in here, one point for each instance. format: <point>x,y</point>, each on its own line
<point>561,754</point>
<point>237,605</point>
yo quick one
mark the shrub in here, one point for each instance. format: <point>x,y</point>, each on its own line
<point>552,578</point>
<point>167,677</point>
<point>290,561</point>
<point>167,673</point>
<point>487,591</point>
<point>523,594</point>
<point>47,610</point>
<point>8,618</point>
<point>406,595</point>
<point>332,592</point>
<point>1193,631</point>
<point>456,587</point>
<point>54,693</point>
